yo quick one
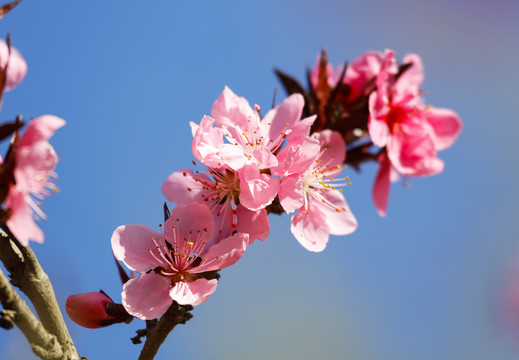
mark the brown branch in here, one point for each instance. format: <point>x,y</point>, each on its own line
<point>176,314</point>
<point>43,344</point>
<point>29,277</point>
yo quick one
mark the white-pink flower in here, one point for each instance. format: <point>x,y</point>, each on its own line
<point>15,63</point>
<point>311,170</point>
<point>172,264</point>
<point>411,132</point>
<point>33,174</point>
<point>250,138</point>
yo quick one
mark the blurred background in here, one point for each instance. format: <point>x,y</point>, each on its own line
<point>427,282</point>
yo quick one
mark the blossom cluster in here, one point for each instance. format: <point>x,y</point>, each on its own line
<point>290,160</point>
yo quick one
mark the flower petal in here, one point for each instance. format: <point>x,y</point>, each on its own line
<point>291,195</point>
<point>338,216</point>
<point>446,126</point>
<point>206,142</point>
<point>333,146</point>
<point>21,223</point>
<point>147,297</point>
<point>232,111</point>
<point>187,220</point>
<point>193,293</point>
<point>35,164</point>
<point>256,190</point>
<point>41,129</point>
<point>16,65</point>
<point>412,151</point>
<point>184,186</point>
<point>133,245</point>
<point>254,223</point>
<point>310,229</point>
<point>382,184</point>
<point>224,253</point>
<point>297,158</point>
<point>282,118</point>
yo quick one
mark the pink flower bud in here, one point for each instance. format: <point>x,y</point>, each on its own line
<point>94,310</point>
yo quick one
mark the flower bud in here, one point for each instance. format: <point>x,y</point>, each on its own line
<point>95,309</point>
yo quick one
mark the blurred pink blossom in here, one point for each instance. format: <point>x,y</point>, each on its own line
<point>411,132</point>
<point>33,173</point>
<point>16,65</point>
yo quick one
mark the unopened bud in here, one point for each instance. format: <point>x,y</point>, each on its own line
<point>95,310</point>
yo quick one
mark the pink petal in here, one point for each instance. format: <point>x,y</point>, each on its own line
<point>446,126</point>
<point>377,125</point>
<point>231,156</point>
<point>184,186</point>
<point>283,117</point>
<point>361,70</point>
<point>336,212</point>
<point>256,190</point>
<point>291,194</point>
<point>300,130</point>
<point>41,129</point>
<point>310,229</point>
<point>223,254</point>
<point>133,245</point>
<point>206,142</point>
<point>193,293</point>
<point>297,158</point>
<point>21,223</point>
<point>16,66</point>
<point>413,77</point>
<point>333,147</point>
<point>34,165</point>
<point>147,297</point>
<point>382,184</point>
<point>231,110</point>
<point>264,158</point>
<point>187,221</point>
<point>254,223</point>
<point>412,151</point>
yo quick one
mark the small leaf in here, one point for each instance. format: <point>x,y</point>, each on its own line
<point>4,9</point>
<point>167,214</point>
<point>8,129</point>
<point>291,85</point>
<point>122,273</point>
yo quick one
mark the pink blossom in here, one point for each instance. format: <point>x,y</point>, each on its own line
<point>237,200</point>
<point>311,184</point>
<point>16,65</point>
<point>33,173</point>
<point>411,132</point>
<point>250,138</point>
<point>172,264</point>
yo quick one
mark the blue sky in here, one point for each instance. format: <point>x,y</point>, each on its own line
<point>426,282</point>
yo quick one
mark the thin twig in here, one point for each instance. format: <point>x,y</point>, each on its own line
<point>176,314</point>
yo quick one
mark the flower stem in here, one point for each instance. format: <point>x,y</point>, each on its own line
<point>176,314</point>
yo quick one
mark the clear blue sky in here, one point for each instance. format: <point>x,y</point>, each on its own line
<point>424,283</point>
